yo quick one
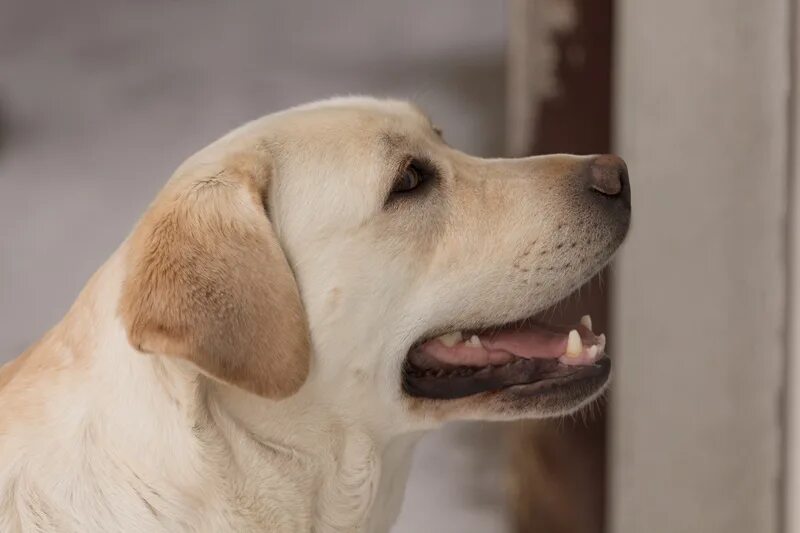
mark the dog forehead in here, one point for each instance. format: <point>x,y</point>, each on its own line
<point>353,119</point>
<point>347,142</point>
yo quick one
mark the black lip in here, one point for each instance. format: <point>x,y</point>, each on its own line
<point>535,375</point>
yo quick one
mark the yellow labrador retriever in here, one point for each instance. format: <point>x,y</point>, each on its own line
<point>304,297</point>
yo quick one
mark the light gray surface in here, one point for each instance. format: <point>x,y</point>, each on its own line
<point>792,442</point>
<point>699,289</point>
<point>102,100</point>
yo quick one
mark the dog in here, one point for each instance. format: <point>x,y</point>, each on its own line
<point>305,298</point>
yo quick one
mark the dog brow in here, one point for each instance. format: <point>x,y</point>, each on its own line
<point>394,142</point>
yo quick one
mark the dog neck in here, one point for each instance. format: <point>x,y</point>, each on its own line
<point>353,479</point>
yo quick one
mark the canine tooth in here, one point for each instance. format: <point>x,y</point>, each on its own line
<point>586,321</point>
<point>450,339</point>
<point>473,341</point>
<point>593,351</point>
<point>574,343</point>
<point>601,342</point>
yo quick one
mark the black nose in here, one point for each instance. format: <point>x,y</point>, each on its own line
<point>608,175</point>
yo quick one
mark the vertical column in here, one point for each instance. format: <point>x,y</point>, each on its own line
<point>560,101</point>
<point>700,322</point>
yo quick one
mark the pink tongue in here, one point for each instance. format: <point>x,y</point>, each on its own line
<point>500,347</point>
<point>534,342</point>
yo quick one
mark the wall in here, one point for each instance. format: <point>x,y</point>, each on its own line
<point>700,325</point>
<point>100,101</point>
<point>792,440</point>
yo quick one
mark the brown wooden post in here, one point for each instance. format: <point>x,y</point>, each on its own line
<point>558,468</point>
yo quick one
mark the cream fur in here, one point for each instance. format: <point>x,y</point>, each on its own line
<point>96,436</point>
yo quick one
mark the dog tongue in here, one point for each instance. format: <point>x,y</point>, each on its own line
<point>501,346</point>
<point>535,342</point>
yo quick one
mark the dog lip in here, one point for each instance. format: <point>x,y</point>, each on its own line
<point>524,377</point>
<point>599,371</point>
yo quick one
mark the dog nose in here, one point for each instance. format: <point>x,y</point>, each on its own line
<point>608,175</point>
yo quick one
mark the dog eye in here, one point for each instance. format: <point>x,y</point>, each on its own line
<point>411,178</point>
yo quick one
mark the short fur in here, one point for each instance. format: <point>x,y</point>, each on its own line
<point>236,364</point>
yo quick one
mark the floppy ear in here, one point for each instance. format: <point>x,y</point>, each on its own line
<point>208,281</point>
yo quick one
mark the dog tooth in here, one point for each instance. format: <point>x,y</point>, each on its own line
<point>593,351</point>
<point>586,321</point>
<point>450,339</point>
<point>574,343</point>
<point>601,342</point>
<point>474,341</point>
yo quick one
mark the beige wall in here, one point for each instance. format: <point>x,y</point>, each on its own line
<point>702,121</point>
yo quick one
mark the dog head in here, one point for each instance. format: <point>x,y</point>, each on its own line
<point>343,248</point>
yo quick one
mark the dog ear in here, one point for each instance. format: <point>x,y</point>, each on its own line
<point>208,281</point>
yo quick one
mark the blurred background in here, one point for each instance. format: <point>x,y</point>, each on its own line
<point>101,99</point>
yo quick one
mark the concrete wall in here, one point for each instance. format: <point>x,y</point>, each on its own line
<point>702,120</point>
<point>100,101</point>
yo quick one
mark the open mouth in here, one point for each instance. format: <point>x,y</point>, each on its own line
<point>535,355</point>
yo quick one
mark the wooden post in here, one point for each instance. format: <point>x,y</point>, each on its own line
<point>560,100</point>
